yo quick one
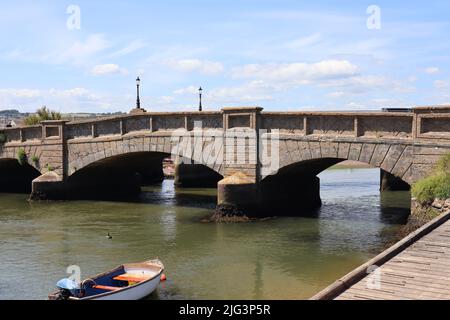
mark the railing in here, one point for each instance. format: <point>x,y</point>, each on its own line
<point>424,123</point>
<point>348,124</point>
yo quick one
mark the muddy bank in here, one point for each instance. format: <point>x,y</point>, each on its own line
<point>421,214</point>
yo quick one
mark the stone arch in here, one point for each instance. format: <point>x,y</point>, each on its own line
<point>395,158</point>
<point>83,154</point>
<point>15,177</point>
<point>31,151</point>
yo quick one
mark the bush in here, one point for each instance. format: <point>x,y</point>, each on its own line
<point>444,164</point>
<point>21,156</point>
<point>430,188</point>
<point>35,159</point>
<point>2,138</point>
<point>50,167</point>
<point>41,114</point>
<point>436,186</point>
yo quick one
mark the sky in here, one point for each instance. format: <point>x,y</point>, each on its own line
<point>84,56</point>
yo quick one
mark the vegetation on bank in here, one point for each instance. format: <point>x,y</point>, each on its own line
<point>2,138</point>
<point>41,114</point>
<point>436,186</point>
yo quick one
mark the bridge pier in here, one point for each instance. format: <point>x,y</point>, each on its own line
<point>238,195</point>
<point>99,184</point>
<point>389,182</point>
<point>290,195</point>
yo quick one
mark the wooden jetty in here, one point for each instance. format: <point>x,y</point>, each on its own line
<point>417,267</point>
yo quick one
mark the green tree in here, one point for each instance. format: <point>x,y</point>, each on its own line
<point>41,115</point>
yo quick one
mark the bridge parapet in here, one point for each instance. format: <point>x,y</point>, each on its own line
<point>345,124</point>
<point>422,123</point>
<point>147,122</point>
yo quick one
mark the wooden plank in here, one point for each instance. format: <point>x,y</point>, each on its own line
<point>421,271</point>
<point>131,278</point>
<point>108,288</point>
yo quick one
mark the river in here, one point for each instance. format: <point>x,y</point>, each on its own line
<point>279,258</point>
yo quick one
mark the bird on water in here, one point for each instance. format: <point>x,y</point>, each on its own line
<point>108,236</point>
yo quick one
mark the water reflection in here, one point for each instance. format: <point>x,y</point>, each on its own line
<point>281,258</point>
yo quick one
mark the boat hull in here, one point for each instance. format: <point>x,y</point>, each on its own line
<point>143,278</point>
<point>136,292</point>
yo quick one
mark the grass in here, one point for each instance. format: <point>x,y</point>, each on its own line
<point>21,156</point>
<point>35,159</point>
<point>436,186</point>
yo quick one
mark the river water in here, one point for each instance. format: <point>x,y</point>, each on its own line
<point>279,258</point>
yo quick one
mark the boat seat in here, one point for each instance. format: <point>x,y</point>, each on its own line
<point>108,288</point>
<point>131,277</point>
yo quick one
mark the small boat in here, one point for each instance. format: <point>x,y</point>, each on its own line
<point>132,281</point>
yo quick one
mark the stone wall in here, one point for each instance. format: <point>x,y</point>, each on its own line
<point>406,145</point>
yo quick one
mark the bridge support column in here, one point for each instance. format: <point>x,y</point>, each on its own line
<point>389,182</point>
<point>237,196</point>
<point>290,195</point>
<point>48,186</point>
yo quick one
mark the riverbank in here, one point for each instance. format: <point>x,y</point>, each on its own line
<point>421,214</point>
<point>350,164</point>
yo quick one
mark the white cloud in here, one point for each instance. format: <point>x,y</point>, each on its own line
<point>187,90</point>
<point>130,48</point>
<point>195,65</point>
<point>81,51</point>
<point>253,91</point>
<point>105,69</point>
<point>20,93</point>
<point>336,94</point>
<point>441,84</point>
<point>65,100</point>
<point>432,70</point>
<point>304,41</point>
<point>363,84</point>
<point>301,73</point>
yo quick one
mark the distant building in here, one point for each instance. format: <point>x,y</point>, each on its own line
<point>11,124</point>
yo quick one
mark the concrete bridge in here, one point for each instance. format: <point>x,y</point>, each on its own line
<point>259,159</point>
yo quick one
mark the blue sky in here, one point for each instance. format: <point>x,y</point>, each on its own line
<point>280,55</point>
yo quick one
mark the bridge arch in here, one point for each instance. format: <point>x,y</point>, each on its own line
<point>16,177</point>
<point>316,156</point>
<point>85,154</point>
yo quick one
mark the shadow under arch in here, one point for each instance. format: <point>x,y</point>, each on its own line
<point>16,177</point>
<point>120,177</point>
<point>295,189</point>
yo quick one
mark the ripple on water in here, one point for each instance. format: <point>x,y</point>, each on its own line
<point>280,258</point>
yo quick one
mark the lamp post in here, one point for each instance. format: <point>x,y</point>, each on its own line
<point>138,101</point>
<point>200,90</point>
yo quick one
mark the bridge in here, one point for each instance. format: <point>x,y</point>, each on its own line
<point>260,160</point>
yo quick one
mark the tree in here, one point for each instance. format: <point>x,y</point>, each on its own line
<point>41,114</point>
